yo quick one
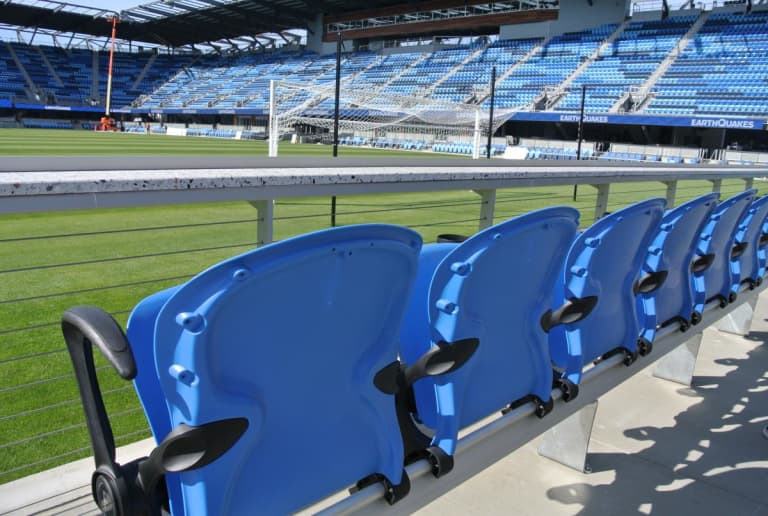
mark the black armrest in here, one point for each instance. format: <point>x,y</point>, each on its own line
<point>650,282</point>
<point>444,358</point>
<point>132,488</point>
<point>571,311</point>
<point>451,238</point>
<point>83,326</point>
<point>397,379</point>
<point>702,263</point>
<point>738,249</point>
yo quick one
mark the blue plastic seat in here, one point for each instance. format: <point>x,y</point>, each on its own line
<point>495,286</point>
<point>272,378</point>
<point>668,268</point>
<point>750,245</point>
<point>719,280</point>
<point>290,326</point>
<point>601,269</point>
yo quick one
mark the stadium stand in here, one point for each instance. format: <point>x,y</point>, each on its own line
<point>722,72</point>
<point>549,66</point>
<point>690,64</point>
<point>628,61</point>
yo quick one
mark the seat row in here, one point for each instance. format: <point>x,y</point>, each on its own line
<point>333,359</point>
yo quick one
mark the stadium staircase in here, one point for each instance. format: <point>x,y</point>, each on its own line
<point>423,57</point>
<point>627,63</point>
<point>591,59</point>
<point>629,103</point>
<point>50,68</point>
<point>460,66</point>
<point>95,76</point>
<point>144,72</point>
<point>550,99</point>
<point>32,88</point>
<point>483,94</point>
<point>549,67</point>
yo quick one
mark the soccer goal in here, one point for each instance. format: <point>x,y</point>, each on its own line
<point>372,118</point>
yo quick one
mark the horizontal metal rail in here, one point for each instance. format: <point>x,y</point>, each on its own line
<point>83,185</point>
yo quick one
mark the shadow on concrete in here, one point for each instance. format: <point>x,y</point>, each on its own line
<point>711,461</point>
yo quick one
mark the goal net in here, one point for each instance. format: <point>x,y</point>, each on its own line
<point>378,119</point>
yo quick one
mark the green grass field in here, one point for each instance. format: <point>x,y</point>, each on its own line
<point>113,258</point>
<point>51,142</point>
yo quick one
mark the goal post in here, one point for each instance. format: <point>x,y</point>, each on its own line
<point>369,117</point>
<point>274,133</point>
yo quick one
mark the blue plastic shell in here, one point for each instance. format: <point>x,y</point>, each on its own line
<point>495,286</point>
<point>284,336</point>
<point>721,278</point>
<point>750,232</point>
<point>604,261</point>
<point>672,250</point>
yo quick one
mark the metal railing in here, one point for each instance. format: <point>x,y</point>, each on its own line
<point>156,228</point>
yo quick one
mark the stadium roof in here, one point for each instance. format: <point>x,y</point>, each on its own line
<point>178,23</point>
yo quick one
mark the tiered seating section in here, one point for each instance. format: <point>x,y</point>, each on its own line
<point>72,84</point>
<point>722,70</point>
<point>239,387</point>
<point>628,61</point>
<point>549,66</point>
<point>473,79</point>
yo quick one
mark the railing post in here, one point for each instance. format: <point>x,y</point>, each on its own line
<point>601,203</point>
<point>716,184</point>
<point>748,182</point>
<point>671,192</point>
<point>487,207</point>
<point>265,224</point>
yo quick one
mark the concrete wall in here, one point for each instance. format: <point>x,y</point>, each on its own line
<point>575,15</point>
<point>735,8</point>
<point>315,39</point>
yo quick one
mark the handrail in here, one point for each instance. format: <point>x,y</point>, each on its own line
<point>45,184</point>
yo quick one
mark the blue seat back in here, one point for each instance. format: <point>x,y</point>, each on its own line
<point>762,253</point>
<point>604,261</point>
<point>672,250</point>
<point>720,280</point>
<point>289,336</point>
<point>751,260</point>
<point>495,286</point>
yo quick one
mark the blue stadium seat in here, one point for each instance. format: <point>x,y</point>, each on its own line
<point>671,255</point>
<point>750,244</point>
<point>495,286</point>
<point>269,377</point>
<point>720,279</point>
<point>601,271</point>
